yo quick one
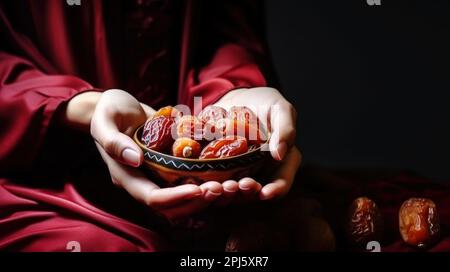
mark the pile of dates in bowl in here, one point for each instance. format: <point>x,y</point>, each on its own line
<point>215,145</point>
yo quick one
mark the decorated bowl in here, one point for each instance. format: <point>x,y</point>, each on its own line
<point>171,170</point>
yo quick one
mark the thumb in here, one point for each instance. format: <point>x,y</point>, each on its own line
<point>283,131</point>
<point>149,112</point>
<point>122,148</point>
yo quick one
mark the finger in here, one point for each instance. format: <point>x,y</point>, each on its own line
<point>118,145</point>
<point>248,191</point>
<point>130,179</point>
<point>169,197</point>
<point>145,191</point>
<point>248,186</point>
<point>185,209</point>
<point>230,190</point>
<point>282,126</point>
<point>277,188</point>
<point>149,111</point>
<point>122,148</point>
<point>285,176</point>
<point>211,190</point>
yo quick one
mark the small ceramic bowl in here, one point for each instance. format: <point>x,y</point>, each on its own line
<point>173,170</point>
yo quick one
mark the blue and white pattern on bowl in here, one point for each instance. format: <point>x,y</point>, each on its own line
<point>203,165</point>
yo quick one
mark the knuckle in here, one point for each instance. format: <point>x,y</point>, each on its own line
<point>149,200</point>
<point>289,133</point>
<point>292,109</point>
<point>289,107</point>
<point>115,181</point>
<point>298,154</point>
<point>93,127</point>
<point>110,145</point>
<point>115,177</point>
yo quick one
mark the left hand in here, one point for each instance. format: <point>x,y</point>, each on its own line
<point>277,114</point>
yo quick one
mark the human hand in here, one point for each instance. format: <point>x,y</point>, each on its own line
<point>114,118</point>
<point>279,116</point>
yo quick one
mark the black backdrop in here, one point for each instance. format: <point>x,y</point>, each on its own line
<point>371,83</point>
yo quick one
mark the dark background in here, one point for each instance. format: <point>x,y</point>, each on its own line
<point>371,83</point>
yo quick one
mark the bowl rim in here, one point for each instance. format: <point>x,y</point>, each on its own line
<point>142,146</point>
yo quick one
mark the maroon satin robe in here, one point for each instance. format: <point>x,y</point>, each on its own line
<point>55,189</point>
<point>163,52</point>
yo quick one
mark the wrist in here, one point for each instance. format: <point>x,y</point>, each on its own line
<point>78,112</point>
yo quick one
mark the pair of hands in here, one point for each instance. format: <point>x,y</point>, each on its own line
<point>116,114</point>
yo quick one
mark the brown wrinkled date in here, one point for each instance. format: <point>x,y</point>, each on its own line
<point>364,222</point>
<point>215,130</point>
<point>189,126</point>
<point>242,114</point>
<point>226,147</point>
<point>212,114</point>
<point>214,133</point>
<point>242,121</point>
<point>419,222</point>
<point>238,128</point>
<point>214,122</point>
<point>169,112</point>
<point>157,134</point>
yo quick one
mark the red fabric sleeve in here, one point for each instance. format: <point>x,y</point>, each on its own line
<point>28,100</point>
<point>231,51</point>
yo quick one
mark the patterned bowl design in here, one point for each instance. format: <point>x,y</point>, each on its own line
<point>174,170</point>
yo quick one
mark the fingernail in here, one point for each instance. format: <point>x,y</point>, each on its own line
<point>246,184</point>
<point>229,191</point>
<point>130,156</point>
<point>244,188</point>
<point>281,150</point>
<point>210,195</point>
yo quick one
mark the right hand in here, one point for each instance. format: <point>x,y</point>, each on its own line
<point>116,116</point>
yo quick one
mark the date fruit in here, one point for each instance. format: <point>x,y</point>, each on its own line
<point>215,130</point>
<point>226,147</point>
<point>157,133</point>
<point>169,112</point>
<point>186,148</point>
<point>419,222</point>
<point>243,114</point>
<point>213,118</point>
<point>245,123</point>
<point>364,222</point>
<point>239,128</point>
<point>211,114</point>
<point>189,126</point>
